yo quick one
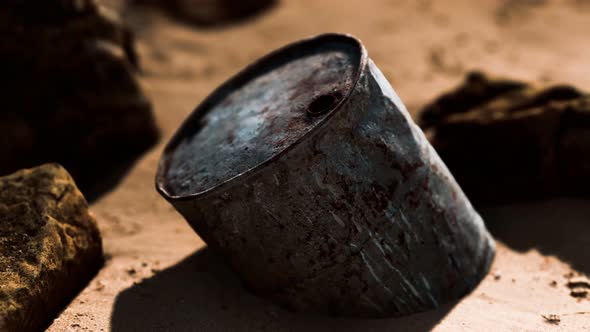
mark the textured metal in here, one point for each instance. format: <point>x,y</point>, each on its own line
<point>262,117</point>
<point>339,204</point>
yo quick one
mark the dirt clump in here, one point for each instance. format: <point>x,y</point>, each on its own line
<point>505,139</point>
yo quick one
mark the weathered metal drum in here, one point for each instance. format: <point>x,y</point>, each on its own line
<point>307,173</point>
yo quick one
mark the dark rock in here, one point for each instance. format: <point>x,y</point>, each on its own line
<point>506,140</point>
<point>68,89</point>
<point>211,12</point>
<point>49,246</point>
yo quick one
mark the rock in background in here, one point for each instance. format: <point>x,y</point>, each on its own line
<point>50,246</point>
<point>69,94</point>
<point>211,12</point>
<point>504,139</point>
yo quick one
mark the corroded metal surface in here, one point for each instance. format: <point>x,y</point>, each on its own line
<point>252,122</point>
<point>355,215</point>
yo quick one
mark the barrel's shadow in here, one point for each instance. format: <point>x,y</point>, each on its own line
<point>105,178</point>
<point>201,293</point>
<point>559,227</point>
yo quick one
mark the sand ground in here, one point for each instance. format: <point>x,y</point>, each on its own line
<point>160,277</point>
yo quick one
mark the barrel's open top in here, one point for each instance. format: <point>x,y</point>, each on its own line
<point>260,113</point>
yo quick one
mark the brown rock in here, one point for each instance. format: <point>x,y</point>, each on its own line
<point>69,93</point>
<point>211,12</point>
<point>49,246</point>
<point>505,139</point>
<point>330,199</point>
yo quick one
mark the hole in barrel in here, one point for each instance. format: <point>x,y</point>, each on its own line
<point>323,103</point>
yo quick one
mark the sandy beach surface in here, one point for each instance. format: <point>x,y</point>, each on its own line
<point>159,276</point>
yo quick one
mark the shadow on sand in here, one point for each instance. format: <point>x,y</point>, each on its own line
<point>201,293</point>
<point>558,227</point>
<point>105,178</point>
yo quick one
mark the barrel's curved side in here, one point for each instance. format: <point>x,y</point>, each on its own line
<point>361,218</point>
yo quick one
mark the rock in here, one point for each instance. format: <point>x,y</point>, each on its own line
<point>505,140</point>
<point>49,246</point>
<point>211,12</point>
<point>69,93</point>
<point>579,287</point>
<point>573,148</point>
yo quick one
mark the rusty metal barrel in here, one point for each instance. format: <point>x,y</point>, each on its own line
<point>307,173</point>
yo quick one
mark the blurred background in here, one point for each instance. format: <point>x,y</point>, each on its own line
<point>422,46</point>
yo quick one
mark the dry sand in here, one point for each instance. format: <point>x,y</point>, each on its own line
<point>160,277</point>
